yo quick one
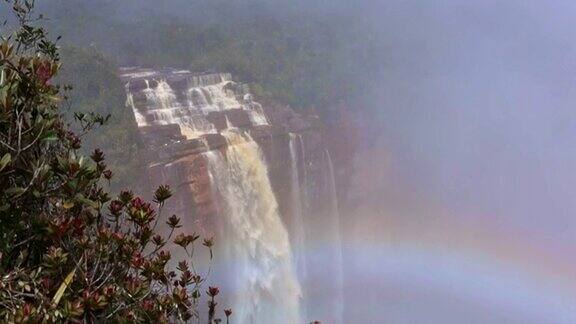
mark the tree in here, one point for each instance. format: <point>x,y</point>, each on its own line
<point>68,251</point>
<point>97,88</point>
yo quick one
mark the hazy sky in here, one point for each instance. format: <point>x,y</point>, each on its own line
<point>478,100</point>
<point>470,183</point>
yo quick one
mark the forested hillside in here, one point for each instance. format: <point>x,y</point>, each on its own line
<point>96,88</point>
<point>297,56</point>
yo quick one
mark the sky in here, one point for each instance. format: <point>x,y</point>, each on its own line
<point>466,180</point>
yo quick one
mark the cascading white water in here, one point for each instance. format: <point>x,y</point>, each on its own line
<point>164,97</point>
<point>140,119</point>
<point>298,229</point>
<point>164,109</point>
<point>214,97</point>
<point>267,287</point>
<point>187,108</point>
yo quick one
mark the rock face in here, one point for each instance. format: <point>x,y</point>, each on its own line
<point>186,120</point>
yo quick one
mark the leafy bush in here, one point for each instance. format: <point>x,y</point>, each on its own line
<point>68,251</point>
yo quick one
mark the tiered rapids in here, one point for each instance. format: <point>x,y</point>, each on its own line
<point>258,178</point>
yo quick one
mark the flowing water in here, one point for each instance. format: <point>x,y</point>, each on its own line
<point>267,290</point>
<point>298,228</point>
<point>188,108</point>
<point>339,283</point>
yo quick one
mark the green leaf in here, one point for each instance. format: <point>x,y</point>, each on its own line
<point>5,160</point>
<point>82,199</point>
<point>50,136</point>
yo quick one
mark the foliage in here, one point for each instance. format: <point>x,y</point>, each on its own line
<point>70,253</point>
<point>97,88</point>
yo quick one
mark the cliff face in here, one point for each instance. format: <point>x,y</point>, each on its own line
<point>181,162</point>
<point>235,166</point>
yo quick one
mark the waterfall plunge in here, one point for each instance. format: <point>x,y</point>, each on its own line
<point>339,283</point>
<point>299,197</point>
<point>267,288</point>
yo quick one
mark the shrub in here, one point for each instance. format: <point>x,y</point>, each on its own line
<point>68,251</point>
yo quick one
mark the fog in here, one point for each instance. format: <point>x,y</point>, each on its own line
<point>470,162</point>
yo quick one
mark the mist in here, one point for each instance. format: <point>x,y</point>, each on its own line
<point>457,198</point>
<point>469,162</point>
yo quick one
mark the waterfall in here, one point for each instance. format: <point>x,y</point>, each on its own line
<point>298,229</point>
<point>140,119</point>
<point>339,298</point>
<point>162,96</point>
<point>267,288</point>
<point>266,260</point>
<point>188,106</point>
<point>164,108</point>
